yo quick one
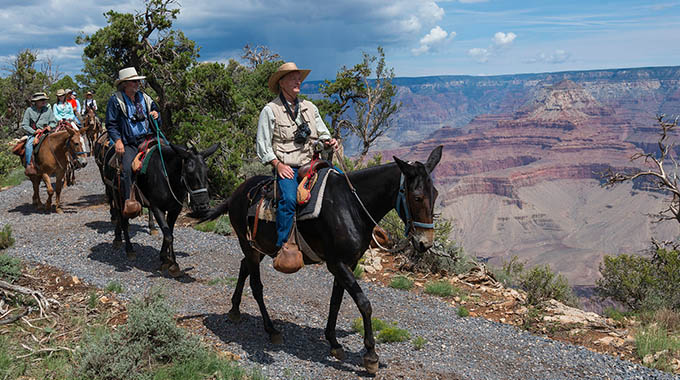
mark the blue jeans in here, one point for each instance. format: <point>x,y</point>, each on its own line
<point>29,149</point>
<point>287,204</point>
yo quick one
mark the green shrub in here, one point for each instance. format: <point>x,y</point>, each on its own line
<point>6,239</point>
<point>510,273</point>
<point>652,339</point>
<point>384,332</point>
<point>358,270</point>
<point>220,226</point>
<point>614,314</point>
<point>393,334</point>
<point>10,268</point>
<point>541,284</point>
<point>204,365</point>
<point>229,281</point>
<point>92,300</point>
<point>642,283</point>
<point>419,342</point>
<point>377,324</point>
<point>401,282</point>
<point>8,161</point>
<point>441,288</point>
<point>150,337</point>
<point>463,312</point>
<point>114,287</point>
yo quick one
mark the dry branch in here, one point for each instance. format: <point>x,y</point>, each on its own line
<point>44,303</point>
<point>665,180</point>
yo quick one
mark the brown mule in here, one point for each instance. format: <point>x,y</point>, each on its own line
<point>52,159</point>
<point>92,127</point>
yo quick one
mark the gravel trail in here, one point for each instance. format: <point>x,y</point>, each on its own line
<point>79,242</point>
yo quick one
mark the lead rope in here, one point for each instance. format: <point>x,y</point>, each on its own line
<point>351,187</point>
<point>160,152</point>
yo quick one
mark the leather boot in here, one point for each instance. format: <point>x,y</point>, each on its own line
<point>31,170</point>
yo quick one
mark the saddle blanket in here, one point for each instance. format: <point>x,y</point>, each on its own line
<point>311,210</point>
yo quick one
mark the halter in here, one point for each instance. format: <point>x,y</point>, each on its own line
<point>404,212</point>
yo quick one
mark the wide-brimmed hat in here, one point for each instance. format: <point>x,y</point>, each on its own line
<point>88,93</point>
<point>39,96</point>
<point>61,92</point>
<point>128,73</point>
<point>68,91</point>
<point>284,69</point>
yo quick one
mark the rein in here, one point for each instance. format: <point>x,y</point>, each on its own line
<point>401,199</point>
<point>165,172</point>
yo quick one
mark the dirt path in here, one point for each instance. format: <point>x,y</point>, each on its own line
<point>79,242</point>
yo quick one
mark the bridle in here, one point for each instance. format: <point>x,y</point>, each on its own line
<point>182,178</point>
<point>404,212</point>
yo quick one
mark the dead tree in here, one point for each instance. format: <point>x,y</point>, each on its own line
<point>663,170</point>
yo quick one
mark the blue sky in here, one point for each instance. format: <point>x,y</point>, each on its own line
<point>420,37</point>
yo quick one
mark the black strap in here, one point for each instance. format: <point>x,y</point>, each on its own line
<point>293,115</point>
<point>35,126</point>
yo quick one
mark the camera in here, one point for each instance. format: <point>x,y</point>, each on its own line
<point>302,133</point>
<point>137,117</point>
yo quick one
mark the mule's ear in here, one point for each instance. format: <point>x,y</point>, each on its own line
<point>206,153</point>
<point>434,158</point>
<point>405,167</point>
<point>182,151</point>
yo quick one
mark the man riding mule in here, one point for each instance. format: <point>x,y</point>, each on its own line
<point>37,119</point>
<point>164,176</point>
<point>339,235</point>
<point>286,133</point>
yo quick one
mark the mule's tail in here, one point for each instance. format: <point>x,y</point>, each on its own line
<point>213,214</point>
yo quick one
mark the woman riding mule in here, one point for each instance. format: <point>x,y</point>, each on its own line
<point>340,235</point>
<point>52,159</point>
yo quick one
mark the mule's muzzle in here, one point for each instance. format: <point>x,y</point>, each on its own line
<point>422,239</point>
<point>199,202</point>
<point>80,163</point>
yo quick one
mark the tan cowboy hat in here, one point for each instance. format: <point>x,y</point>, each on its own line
<point>88,93</point>
<point>284,69</point>
<point>128,73</point>
<point>68,91</point>
<point>61,92</point>
<point>39,96</point>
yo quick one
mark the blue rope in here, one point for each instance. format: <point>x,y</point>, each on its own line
<point>158,139</point>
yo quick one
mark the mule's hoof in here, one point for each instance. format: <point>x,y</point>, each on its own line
<point>153,232</point>
<point>131,255</point>
<point>174,271</point>
<point>59,210</point>
<point>117,243</point>
<point>338,353</point>
<point>165,266</point>
<point>276,338</point>
<point>371,365</point>
<point>234,316</point>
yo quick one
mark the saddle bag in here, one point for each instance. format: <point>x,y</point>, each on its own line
<point>132,208</point>
<point>289,258</point>
<point>20,148</point>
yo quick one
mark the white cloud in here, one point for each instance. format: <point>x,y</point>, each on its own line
<point>503,39</point>
<point>557,57</point>
<point>499,42</point>
<point>433,40</point>
<point>479,54</point>
<point>61,52</point>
